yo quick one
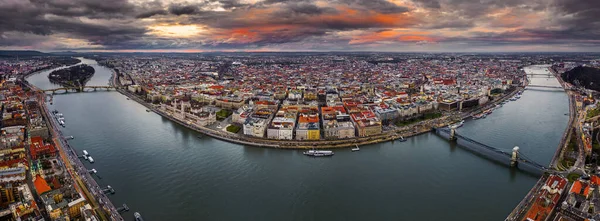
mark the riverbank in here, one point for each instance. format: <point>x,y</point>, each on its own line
<point>84,182</point>
<point>526,202</point>
<point>55,66</point>
<point>403,132</point>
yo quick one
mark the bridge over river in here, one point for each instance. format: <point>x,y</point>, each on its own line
<point>63,90</point>
<point>495,154</point>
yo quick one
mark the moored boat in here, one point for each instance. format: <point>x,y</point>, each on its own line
<point>318,153</point>
<point>457,125</point>
<point>478,116</point>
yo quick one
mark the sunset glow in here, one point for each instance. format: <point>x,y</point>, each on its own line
<point>340,25</point>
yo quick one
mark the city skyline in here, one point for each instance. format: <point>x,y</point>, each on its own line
<point>280,25</point>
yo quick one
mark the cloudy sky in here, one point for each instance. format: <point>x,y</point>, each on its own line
<point>300,25</point>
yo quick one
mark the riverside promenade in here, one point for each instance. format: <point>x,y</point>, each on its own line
<point>84,182</point>
<point>521,208</point>
<point>391,135</point>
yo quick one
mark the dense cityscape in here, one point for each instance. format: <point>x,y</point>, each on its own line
<point>318,101</point>
<point>221,110</point>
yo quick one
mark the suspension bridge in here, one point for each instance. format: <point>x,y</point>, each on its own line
<point>508,158</point>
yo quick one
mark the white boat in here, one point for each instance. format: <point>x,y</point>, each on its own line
<point>85,153</point>
<point>318,153</point>
<point>138,216</point>
<point>91,159</point>
<point>457,125</point>
<point>401,139</point>
<point>85,157</point>
<point>355,148</point>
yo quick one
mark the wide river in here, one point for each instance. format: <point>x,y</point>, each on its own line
<point>165,172</point>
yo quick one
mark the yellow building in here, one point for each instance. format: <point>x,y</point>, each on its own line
<point>314,134</point>
<point>74,207</point>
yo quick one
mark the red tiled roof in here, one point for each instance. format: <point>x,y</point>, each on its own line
<point>41,186</point>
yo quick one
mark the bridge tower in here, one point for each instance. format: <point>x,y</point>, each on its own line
<point>452,133</point>
<point>515,156</point>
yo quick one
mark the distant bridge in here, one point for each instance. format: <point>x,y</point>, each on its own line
<point>544,86</point>
<point>547,75</point>
<point>492,153</point>
<point>63,90</point>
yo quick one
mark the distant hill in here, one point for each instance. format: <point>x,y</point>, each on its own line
<point>15,53</point>
<point>587,77</point>
<point>65,53</point>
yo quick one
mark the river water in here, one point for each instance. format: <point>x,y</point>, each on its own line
<point>165,172</point>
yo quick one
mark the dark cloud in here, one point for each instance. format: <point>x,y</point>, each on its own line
<point>428,3</point>
<point>308,9</point>
<point>120,24</point>
<point>179,9</point>
<point>88,8</point>
<point>578,14</point>
<point>231,4</point>
<point>149,14</point>
<point>59,17</point>
<point>382,6</point>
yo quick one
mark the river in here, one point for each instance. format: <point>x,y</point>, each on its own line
<point>165,172</point>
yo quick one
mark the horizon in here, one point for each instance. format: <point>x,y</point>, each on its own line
<point>333,52</point>
<point>395,26</point>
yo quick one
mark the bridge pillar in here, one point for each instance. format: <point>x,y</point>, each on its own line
<point>515,156</point>
<point>452,133</point>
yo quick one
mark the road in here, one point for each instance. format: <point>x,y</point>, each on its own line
<point>83,180</point>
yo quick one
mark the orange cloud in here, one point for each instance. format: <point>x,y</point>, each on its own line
<point>393,35</point>
<point>351,18</point>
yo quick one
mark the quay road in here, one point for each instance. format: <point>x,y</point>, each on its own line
<point>527,201</point>
<point>84,181</point>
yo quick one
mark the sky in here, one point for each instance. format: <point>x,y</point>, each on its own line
<point>301,25</point>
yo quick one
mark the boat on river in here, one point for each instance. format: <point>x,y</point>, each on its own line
<point>318,153</point>
<point>355,149</point>
<point>479,116</point>
<point>138,216</point>
<point>401,139</point>
<point>457,125</point>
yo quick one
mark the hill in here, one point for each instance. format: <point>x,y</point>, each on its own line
<point>587,77</point>
<point>15,53</point>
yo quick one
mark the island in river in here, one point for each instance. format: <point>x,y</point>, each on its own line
<point>75,77</point>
